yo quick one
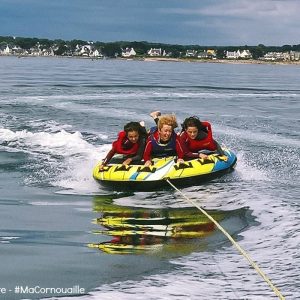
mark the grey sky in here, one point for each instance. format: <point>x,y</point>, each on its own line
<point>205,22</point>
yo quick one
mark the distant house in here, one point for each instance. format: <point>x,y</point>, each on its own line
<point>191,53</point>
<point>16,50</point>
<point>233,54</point>
<point>155,52</point>
<point>96,53</point>
<point>7,50</point>
<point>76,50</point>
<point>269,56</point>
<point>245,54</point>
<point>202,54</point>
<point>48,52</point>
<point>211,53</point>
<point>286,56</point>
<point>207,54</point>
<point>273,56</point>
<point>294,55</point>
<point>85,50</point>
<point>165,53</point>
<point>128,52</point>
<point>35,51</point>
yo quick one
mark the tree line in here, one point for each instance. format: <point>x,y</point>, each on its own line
<point>111,49</point>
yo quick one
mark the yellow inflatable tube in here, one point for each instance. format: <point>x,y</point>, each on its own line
<point>118,176</point>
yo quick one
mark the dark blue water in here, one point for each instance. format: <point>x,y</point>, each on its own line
<point>59,117</point>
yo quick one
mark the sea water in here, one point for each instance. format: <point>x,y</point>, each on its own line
<point>59,117</point>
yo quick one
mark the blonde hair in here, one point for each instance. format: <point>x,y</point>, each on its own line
<point>167,120</point>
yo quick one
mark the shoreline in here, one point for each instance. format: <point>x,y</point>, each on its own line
<point>168,59</point>
<point>224,61</point>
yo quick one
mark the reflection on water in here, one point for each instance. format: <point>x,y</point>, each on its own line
<point>182,230</point>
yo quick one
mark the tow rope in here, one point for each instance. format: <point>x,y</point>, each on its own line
<point>239,248</point>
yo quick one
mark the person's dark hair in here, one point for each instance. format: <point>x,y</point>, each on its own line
<point>135,126</point>
<point>193,122</point>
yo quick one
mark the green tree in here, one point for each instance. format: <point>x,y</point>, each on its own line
<point>256,52</point>
<point>221,53</point>
<point>45,43</point>
<point>111,49</point>
<point>62,49</point>
<point>286,48</point>
<point>26,43</point>
<point>74,43</point>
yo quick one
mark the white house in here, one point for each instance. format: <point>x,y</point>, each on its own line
<point>7,51</point>
<point>129,52</point>
<point>84,50</point>
<point>165,53</point>
<point>35,51</point>
<point>155,52</point>
<point>274,56</point>
<point>96,53</point>
<point>233,54</point>
<point>48,52</point>
<point>294,55</point>
<point>191,53</point>
<point>16,50</point>
<point>245,54</point>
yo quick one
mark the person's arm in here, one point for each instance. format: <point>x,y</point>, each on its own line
<point>219,149</point>
<point>190,154</point>
<point>147,152</point>
<point>139,155</point>
<point>179,149</point>
<point>107,158</point>
<point>155,115</point>
<point>187,153</point>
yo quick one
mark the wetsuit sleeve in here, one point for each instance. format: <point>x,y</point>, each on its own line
<point>179,149</point>
<point>119,143</point>
<point>219,149</point>
<point>109,156</point>
<point>187,152</point>
<point>206,124</point>
<point>209,129</point>
<point>139,155</point>
<point>148,150</point>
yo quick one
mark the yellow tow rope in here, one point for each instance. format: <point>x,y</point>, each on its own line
<point>240,249</point>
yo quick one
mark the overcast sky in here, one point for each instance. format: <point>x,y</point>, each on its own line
<point>186,22</point>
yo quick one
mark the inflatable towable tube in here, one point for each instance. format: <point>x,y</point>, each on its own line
<point>139,177</point>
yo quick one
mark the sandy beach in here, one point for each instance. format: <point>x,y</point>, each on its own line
<point>223,61</point>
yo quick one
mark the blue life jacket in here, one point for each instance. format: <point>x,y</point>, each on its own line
<point>163,150</point>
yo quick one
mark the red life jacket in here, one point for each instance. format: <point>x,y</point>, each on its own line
<point>123,146</point>
<point>206,143</point>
